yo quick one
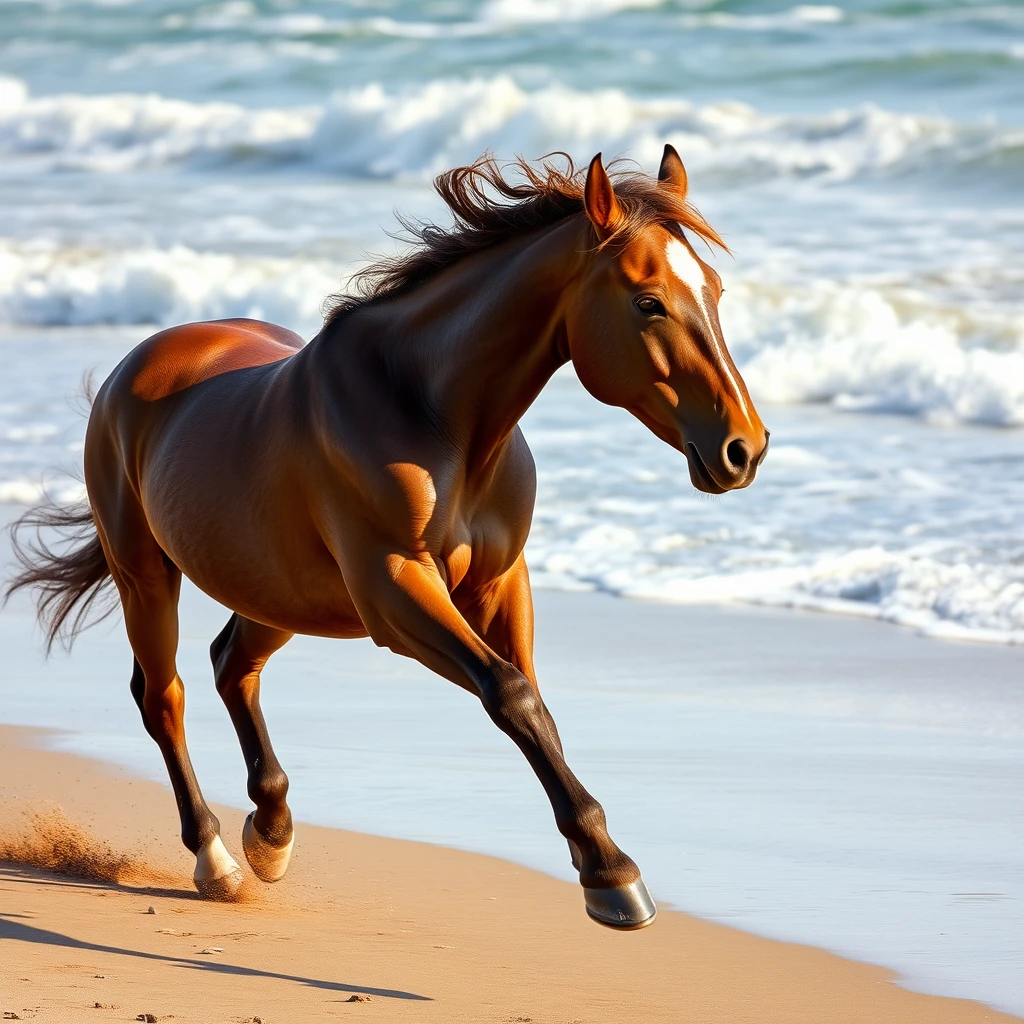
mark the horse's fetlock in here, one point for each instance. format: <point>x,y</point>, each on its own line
<point>198,834</point>
<point>608,869</point>
<point>592,819</point>
<point>584,822</point>
<point>268,786</point>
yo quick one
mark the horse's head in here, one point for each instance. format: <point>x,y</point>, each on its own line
<point>643,330</point>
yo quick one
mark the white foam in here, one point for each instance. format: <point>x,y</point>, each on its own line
<point>860,345</point>
<point>53,285</point>
<point>24,490</point>
<point>512,11</point>
<point>123,131</point>
<point>878,346</point>
<point>372,131</point>
<point>910,588</point>
<point>796,17</point>
<point>21,492</point>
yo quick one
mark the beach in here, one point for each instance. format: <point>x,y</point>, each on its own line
<point>799,703</point>
<point>362,926</point>
<point>811,778</point>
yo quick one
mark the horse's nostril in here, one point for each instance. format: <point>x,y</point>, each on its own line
<point>738,455</point>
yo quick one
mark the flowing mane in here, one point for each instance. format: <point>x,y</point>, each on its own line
<point>489,207</point>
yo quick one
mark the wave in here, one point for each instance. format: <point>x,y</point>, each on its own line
<point>74,286</point>
<point>491,17</point>
<point>23,490</point>
<point>515,11</point>
<point>128,131</point>
<point>869,346</point>
<point>864,346</point>
<point>953,598</point>
<point>800,16</point>
<point>371,132</point>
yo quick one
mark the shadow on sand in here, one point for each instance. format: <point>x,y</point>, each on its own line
<point>13,926</point>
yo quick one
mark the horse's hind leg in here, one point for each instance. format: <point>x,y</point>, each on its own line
<point>149,586</point>
<point>239,654</point>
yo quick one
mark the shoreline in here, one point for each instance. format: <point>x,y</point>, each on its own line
<point>431,933</point>
<point>806,778</point>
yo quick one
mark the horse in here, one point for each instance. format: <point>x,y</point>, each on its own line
<point>375,482</point>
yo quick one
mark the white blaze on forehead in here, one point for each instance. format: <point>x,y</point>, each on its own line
<point>684,265</point>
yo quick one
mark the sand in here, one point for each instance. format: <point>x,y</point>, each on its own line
<point>109,929</point>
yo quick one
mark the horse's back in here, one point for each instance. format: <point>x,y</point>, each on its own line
<point>181,412</point>
<point>181,357</point>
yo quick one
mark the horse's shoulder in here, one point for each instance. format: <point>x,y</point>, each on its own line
<point>516,468</point>
<point>181,357</point>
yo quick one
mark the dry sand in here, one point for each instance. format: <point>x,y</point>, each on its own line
<point>362,927</point>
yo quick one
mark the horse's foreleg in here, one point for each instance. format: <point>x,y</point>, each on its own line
<point>412,612</point>
<point>502,616</point>
<point>239,654</point>
<point>149,595</point>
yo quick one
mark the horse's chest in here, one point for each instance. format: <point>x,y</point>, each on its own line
<point>477,551</point>
<point>457,558</point>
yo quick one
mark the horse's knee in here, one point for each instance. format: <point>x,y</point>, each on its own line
<point>583,821</point>
<point>512,701</point>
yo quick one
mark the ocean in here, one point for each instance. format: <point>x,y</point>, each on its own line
<point>167,161</point>
<point>164,161</point>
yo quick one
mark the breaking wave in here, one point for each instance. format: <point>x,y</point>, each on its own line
<point>371,132</point>
<point>77,286</point>
<point>865,346</point>
<point>880,347</point>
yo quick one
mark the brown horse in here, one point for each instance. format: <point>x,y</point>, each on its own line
<point>375,482</point>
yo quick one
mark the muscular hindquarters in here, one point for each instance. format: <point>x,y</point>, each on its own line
<point>217,475</point>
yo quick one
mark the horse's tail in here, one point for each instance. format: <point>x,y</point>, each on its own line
<point>69,575</point>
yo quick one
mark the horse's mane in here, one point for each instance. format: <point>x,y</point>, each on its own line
<point>489,207</point>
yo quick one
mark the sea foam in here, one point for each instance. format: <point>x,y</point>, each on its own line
<point>859,345</point>
<point>371,131</point>
<point>79,286</point>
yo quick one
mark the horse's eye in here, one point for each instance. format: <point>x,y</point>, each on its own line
<point>650,306</point>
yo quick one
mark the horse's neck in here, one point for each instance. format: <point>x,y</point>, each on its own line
<point>481,340</point>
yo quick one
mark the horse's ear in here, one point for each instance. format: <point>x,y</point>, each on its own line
<point>599,200</point>
<point>672,170</point>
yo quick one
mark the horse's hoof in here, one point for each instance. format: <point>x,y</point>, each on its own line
<point>217,876</point>
<point>269,863</point>
<point>223,889</point>
<point>627,908</point>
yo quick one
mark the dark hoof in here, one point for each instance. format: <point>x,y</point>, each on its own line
<point>627,908</point>
<point>269,863</point>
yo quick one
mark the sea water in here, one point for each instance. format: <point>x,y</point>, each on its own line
<point>168,161</point>
<point>165,161</point>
